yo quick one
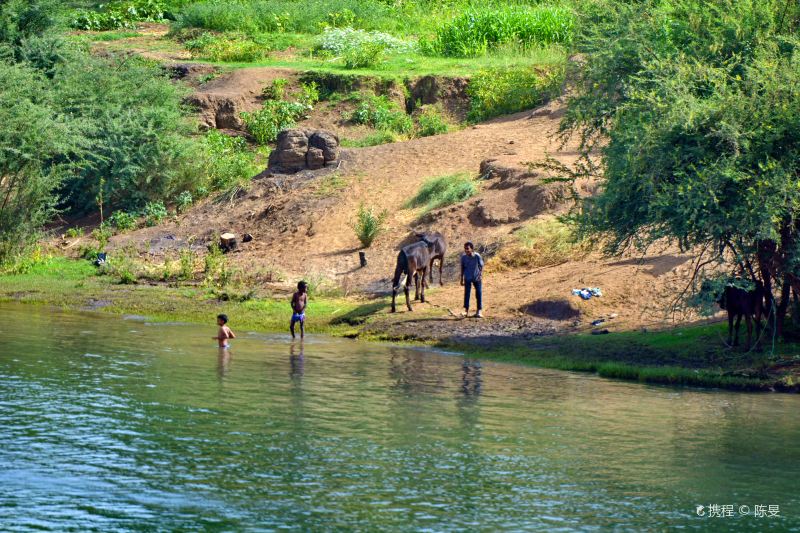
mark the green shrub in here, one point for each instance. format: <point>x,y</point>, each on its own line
<point>102,235</point>
<point>275,90</point>
<point>226,161</point>
<point>368,225</point>
<point>188,259</point>
<point>265,124</point>
<point>133,128</point>
<point>367,55</point>
<point>229,48</point>
<point>309,94</point>
<point>338,41</point>
<point>154,213</point>
<point>444,191</point>
<point>475,31</point>
<point>382,114</point>
<point>431,121</point>
<point>74,233</point>
<point>122,220</point>
<point>119,14</point>
<point>183,201</point>
<point>499,91</point>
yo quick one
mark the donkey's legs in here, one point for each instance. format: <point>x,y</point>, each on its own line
<point>422,294</point>
<point>407,291</point>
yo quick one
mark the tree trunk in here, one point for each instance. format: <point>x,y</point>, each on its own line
<point>228,243</point>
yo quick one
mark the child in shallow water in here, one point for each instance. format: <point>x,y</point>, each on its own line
<point>224,333</point>
<point>299,301</point>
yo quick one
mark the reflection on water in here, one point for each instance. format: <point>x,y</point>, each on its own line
<point>115,424</point>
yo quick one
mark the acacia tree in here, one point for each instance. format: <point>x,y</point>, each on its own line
<point>694,108</point>
<point>33,139</point>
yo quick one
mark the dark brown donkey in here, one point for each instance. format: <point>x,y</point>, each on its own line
<point>438,246</point>
<point>740,303</point>
<point>411,259</point>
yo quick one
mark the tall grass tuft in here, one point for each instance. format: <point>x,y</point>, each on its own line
<point>476,31</point>
<point>504,90</point>
<point>368,225</point>
<point>541,243</point>
<point>444,191</point>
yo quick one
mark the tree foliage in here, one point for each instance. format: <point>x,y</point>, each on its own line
<point>694,108</point>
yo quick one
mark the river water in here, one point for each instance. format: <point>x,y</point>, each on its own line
<point>120,424</point>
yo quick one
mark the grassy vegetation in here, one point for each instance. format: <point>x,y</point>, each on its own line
<point>688,356</point>
<point>368,225</point>
<point>543,242</point>
<point>476,31</point>
<point>444,191</point>
<point>75,284</point>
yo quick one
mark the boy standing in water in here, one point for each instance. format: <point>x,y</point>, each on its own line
<point>224,333</point>
<point>299,301</point>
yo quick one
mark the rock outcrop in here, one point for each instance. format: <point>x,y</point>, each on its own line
<point>301,149</point>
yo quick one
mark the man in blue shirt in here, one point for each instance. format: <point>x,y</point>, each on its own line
<point>471,272</point>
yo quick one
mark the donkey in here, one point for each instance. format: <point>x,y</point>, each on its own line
<point>438,245</point>
<point>740,303</point>
<point>412,259</point>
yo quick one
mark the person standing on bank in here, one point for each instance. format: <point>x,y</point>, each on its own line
<point>471,276</point>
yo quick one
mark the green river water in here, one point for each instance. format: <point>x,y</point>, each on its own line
<point>115,424</point>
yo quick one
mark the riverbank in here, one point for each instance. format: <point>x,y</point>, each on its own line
<point>686,356</point>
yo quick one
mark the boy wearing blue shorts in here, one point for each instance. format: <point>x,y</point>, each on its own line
<point>299,301</point>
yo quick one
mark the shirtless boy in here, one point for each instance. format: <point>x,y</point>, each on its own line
<point>224,333</point>
<point>299,301</point>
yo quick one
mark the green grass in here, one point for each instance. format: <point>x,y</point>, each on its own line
<point>443,191</point>
<point>75,284</point>
<point>373,139</point>
<point>688,356</point>
<point>476,31</point>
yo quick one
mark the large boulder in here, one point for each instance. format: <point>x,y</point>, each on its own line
<point>299,149</point>
<point>327,142</point>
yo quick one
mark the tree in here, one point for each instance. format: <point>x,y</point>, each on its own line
<point>694,109</point>
<point>33,138</point>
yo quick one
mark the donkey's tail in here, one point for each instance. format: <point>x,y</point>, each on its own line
<point>400,269</point>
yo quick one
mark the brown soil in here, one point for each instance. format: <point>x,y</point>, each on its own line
<point>301,226</point>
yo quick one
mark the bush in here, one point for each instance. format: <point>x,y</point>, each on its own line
<point>133,129</point>
<point>265,124</point>
<point>183,201</point>
<point>309,94</point>
<point>122,221</point>
<point>431,121</point>
<point>229,48</point>
<point>32,138</point>
<point>275,90</point>
<point>444,191</point>
<point>338,41</point>
<point>226,161</point>
<point>119,14</point>
<point>154,213</point>
<point>368,225</point>
<point>474,32</point>
<point>188,259</point>
<point>500,91</point>
<point>102,234</point>
<point>367,55</point>
<point>74,233</point>
<point>382,114</point>
<point>541,243</point>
